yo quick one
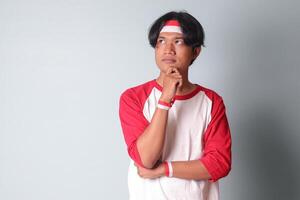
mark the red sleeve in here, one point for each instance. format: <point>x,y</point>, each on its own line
<point>133,122</point>
<point>217,143</point>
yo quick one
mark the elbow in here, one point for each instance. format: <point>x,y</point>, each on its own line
<point>225,170</point>
<point>148,159</point>
<point>148,163</point>
<point>219,173</point>
<point>148,166</point>
<point>225,165</point>
<point>140,159</point>
<point>216,166</point>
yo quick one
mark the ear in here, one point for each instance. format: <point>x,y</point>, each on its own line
<point>196,52</point>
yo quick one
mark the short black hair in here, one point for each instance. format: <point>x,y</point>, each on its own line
<point>193,33</point>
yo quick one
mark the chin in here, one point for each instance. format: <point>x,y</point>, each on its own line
<point>162,68</point>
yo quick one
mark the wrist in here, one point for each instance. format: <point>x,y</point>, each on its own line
<point>164,105</point>
<point>162,169</point>
<point>168,169</point>
<point>165,99</point>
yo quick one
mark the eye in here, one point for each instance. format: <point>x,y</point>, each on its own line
<point>179,41</point>
<point>161,41</point>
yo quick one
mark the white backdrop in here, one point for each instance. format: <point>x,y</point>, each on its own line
<point>63,65</point>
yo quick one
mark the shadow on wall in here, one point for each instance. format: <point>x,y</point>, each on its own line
<point>268,128</point>
<point>270,170</point>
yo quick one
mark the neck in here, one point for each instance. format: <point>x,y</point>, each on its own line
<point>186,87</point>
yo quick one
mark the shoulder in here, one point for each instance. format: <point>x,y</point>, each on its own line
<point>211,94</point>
<point>217,103</point>
<point>139,92</point>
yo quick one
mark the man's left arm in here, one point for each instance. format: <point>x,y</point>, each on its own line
<point>193,170</point>
<point>215,162</point>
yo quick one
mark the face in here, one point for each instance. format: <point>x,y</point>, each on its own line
<point>171,51</point>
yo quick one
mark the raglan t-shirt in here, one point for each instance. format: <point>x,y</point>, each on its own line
<point>197,129</point>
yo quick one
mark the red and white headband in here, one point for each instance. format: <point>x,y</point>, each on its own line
<point>171,26</point>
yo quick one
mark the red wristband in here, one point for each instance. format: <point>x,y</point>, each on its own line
<point>166,169</point>
<point>165,103</point>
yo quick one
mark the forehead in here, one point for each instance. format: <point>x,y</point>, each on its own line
<point>170,35</point>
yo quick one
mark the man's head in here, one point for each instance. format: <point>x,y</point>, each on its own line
<point>177,38</point>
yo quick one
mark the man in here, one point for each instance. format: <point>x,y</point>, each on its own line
<point>177,133</point>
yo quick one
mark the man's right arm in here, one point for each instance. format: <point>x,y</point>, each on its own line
<point>145,140</point>
<point>150,144</point>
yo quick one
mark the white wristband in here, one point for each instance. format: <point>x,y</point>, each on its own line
<point>163,107</point>
<point>170,169</point>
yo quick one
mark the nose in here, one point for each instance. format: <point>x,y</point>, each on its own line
<point>169,49</point>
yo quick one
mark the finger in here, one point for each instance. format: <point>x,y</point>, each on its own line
<point>170,70</point>
<point>175,70</point>
<point>180,83</point>
<point>177,76</point>
<point>176,73</point>
<point>175,79</point>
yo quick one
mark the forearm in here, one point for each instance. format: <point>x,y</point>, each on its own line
<point>194,170</point>
<point>150,143</point>
<point>189,170</point>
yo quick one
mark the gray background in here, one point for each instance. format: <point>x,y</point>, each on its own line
<point>63,65</point>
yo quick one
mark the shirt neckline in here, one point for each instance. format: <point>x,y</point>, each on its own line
<point>180,97</point>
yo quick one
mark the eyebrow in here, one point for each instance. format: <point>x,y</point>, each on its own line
<point>180,37</point>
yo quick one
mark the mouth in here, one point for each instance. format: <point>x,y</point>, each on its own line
<point>169,60</point>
